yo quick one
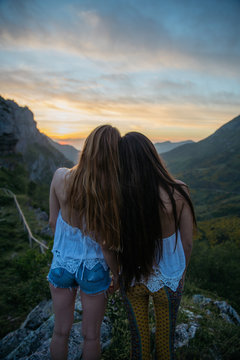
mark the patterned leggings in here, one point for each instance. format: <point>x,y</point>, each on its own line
<point>166,304</point>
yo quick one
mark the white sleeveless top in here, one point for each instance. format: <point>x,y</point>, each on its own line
<point>71,248</point>
<point>171,266</point>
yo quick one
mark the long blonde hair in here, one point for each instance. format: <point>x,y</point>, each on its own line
<point>93,190</point>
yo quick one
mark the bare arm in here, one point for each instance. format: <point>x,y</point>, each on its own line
<point>186,231</point>
<point>54,205</point>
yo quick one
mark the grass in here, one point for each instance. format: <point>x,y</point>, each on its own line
<point>22,270</point>
<point>35,224</point>
<point>214,339</point>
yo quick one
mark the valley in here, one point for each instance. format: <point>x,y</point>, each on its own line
<point>210,167</point>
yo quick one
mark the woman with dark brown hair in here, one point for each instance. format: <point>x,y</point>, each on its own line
<point>157,219</point>
<point>84,214</point>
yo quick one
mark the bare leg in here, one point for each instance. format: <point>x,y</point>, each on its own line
<point>93,313</point>
<point>63,307</point>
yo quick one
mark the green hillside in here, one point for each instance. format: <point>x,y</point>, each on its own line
<point>220,151</point>
<point>211,168</point>
<point>22,270</point>
<point>15,177</point>
<point>215,260</point>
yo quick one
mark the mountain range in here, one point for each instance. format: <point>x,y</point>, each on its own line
<point>211,168</point>
<point>163,147</point>
<point>211,161</point>
<point>211,164</point>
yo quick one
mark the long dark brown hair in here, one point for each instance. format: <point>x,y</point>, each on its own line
<point>142,175</point>
<point>93,190</point>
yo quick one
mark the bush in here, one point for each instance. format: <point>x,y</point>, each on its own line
<point>216,269</point>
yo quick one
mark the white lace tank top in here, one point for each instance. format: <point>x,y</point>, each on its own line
<point>71,248</point>
<point>171,266</point>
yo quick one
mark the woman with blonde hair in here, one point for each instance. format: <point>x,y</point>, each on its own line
<point>157,220</point>
<point>84,214</point>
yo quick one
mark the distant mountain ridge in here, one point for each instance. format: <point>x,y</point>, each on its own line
<point>219,149</point>
<point>163,147</point>
<point>69,151</point>
<point>19,134</point>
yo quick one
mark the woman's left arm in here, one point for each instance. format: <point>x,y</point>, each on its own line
<point>54,204</point>
<point>186,230</point>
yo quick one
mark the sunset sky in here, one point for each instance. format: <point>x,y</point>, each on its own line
<point>169,69</point>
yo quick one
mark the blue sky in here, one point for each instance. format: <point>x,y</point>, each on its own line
<point>169,69</point>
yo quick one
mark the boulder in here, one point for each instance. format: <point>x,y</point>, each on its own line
<point>185,332</point>
<point>202,300</point>
<point>32,340</point>
<point>228,312</point>
<point>12,340</point>
<point>38,315</point>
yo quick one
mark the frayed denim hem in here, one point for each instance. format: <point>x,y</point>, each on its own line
<point>61,287</point>
<point>102,291</point>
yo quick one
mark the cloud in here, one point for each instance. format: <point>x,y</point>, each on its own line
<point>165,66</point>
<point>114,95</point>
<point>133,35</point>
<point>108,90</point>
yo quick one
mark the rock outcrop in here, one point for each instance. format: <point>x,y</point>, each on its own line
<point>31,341</point>
<point>33,338</point>
<point>226,311</point>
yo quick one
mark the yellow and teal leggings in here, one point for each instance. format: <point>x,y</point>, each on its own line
<point>166,303</point>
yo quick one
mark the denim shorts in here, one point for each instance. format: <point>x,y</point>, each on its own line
<point>90,281</point>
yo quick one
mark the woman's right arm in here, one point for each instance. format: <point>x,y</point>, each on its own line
<point>54,204</point>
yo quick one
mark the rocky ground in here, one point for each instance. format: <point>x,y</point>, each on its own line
<point>31,341</point>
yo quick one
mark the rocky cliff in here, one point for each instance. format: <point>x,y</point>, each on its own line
<point>19,134</point>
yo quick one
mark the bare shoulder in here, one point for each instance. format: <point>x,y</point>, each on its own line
<point>180,182</point>
<point>59,175</point>
<point>184,186</point>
